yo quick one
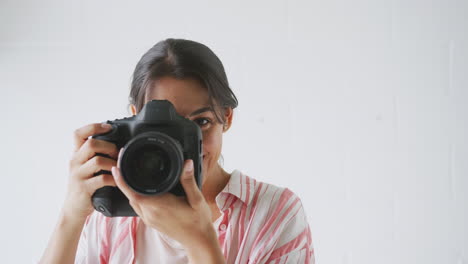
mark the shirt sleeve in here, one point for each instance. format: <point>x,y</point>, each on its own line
<point>292,243</point>
<point>87,250</point>
<point>298,250</point>
<point>80,257</point>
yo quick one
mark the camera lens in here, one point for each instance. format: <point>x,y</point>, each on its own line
<point>151,163</point>
<point>151,166</point>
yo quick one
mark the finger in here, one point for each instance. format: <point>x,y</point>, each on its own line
<point>120,154</point>
<point>100,181</point>
<point>83,133</point>
<point>187,179</point>
<point>92,146</point>
<point>122,185</point>
<point>95,165</point>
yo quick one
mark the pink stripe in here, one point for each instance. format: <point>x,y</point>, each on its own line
<point>224,243</point>
<point>278,225</point>
<point>133,235</point>
<point>241,232</point>
<point>285,195</point>
<point>308,247</point>
<point>264,229</point>
<point>291,245</point>
<point>125,230</point>
<point>247,185</point>
<point>242,216</point>
<point>226,200</point>
<point>241,187</point>
<point>233,200</point>
<point>102,260</point>
<point>252,205</point>
<point>104,254</point>
<point>86,224</point>
<point>270,203</point>
<point>254,189</point>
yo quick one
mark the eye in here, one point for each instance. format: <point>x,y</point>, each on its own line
<point>202,122</point>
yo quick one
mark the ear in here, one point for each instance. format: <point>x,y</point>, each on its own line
<point>228,114</point>
<point>133,109</point>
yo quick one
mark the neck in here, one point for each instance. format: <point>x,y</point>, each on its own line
<point>215,182</point>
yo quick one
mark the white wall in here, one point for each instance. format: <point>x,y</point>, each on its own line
<point>360,107</point>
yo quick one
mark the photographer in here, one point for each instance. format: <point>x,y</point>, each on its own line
<point>232,219</point>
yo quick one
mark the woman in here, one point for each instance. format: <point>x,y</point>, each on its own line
<point>233,219</point>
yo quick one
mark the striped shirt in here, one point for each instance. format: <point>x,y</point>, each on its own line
<point>259,223</point>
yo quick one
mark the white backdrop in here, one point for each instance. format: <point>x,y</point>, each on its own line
<point>360,107</point>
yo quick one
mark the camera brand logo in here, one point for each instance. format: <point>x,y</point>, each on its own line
<point>157,140</point>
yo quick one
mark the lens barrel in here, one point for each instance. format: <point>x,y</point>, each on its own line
<point>151,163</point>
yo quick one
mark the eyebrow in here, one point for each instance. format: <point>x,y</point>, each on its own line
<point>201,110</point>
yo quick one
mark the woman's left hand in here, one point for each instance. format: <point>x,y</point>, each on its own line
<point>186,219</point>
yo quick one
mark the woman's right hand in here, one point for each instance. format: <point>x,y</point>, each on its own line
<point>83,165</point>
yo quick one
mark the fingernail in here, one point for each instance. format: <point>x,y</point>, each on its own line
<point>114,171</point>
<point>106,125</point>
<point>189,166</point>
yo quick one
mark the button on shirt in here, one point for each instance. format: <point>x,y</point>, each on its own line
<point>222,227</point>
<point>259,223</point>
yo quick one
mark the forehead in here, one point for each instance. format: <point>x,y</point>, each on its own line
<point>186,95</point>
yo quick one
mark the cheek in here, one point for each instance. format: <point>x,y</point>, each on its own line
<point>212,143</point>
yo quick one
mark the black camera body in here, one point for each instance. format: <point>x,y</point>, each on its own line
<point>155,143</point>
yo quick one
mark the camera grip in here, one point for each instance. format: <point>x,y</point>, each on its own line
<point>101,200</point>
<point>110,201</point>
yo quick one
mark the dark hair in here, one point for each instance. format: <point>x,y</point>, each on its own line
<point>183,59</point>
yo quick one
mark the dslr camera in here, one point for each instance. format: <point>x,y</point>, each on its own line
<point>155,144</point>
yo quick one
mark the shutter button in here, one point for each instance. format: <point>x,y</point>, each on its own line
<point>222,227</point>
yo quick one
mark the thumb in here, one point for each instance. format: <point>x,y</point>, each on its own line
<point>187,179</point>
<point>129,193</point>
